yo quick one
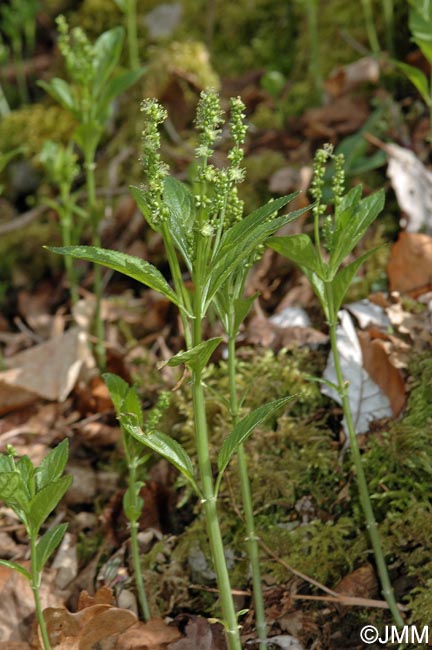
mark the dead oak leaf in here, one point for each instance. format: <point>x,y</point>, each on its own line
<point>93,628</point>
<point>153,635</point>
<point>200,635</point>
<point>410,264</point>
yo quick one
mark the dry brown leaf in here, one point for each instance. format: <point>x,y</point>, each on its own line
<point>361,583</point>
<point>154,635</point>
<point>200,635</point>
<point>98,624</point>
<point>49,370</point>
<point>343,116</point>
<point>349,76</point>
<point>410,264</point>
<point>14,645</point>
<point>377,364</point>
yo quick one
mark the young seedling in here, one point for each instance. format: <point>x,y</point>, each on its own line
<point>127,404</point>
<point>129,9</point>
<point>33,493</point>
<point>62,168</point>
<point>214,243</point>
<point>321,260</point>
<point>89,97</point>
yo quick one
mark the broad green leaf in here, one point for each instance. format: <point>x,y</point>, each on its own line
<point>242,307</point>
<point>197,357</point>
<point>129,265</point>
<point>27,471</point>
<point>117,86</point>
<point>16,567</point>
<point>343,278</point>
<point>168,448</point>
<point>124,397</point>
<point>244,428</point>
<point>48,543</point>
<point>351,225</point>
<point>181,203</point>
<point>420,21</point>
<point>45,501</point>
<point>52,466</point>
<point>7,463</point>
<point>106,52</point>
<point>417,78</point>
<point>12,490</point>
<point>237,245</point>
<point>60,90</point>
<point>132,404</point>
<point>241,229</point>
<point>299,249</point>
<point>319,288</point>
<point>117,388</point>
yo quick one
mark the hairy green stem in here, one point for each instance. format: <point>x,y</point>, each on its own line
<point>35,585</point>
<point>131,26</point>
<point>207,483</point>
<point>251,537</point>
<point>142,598</point>
<point>365,500</point>
<point>90,165</point>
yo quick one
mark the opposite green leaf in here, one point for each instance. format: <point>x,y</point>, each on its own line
<point>343,278</point>
<point>417,78</point>
<point>129,265</point>
<point>163,445</point>
<point>16,567</point>
<point>299,249</point>
<point>52,466</point>
<point>196,358</point>
<point>117,388</point>
<point>45,501</point>
<point>12,490</point>
<point>243,430</point>
<point>47,545</point>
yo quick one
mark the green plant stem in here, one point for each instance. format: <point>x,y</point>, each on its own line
<point>142,598</point>
<point>314,60</point>
<point>370,27</point>
<point>89,162</point>
<point>207,486</point>
<point>35,585</point>
<point>388,10</point>
<point>131,26</point>
<point>365,500</point>
<point>251,537</point>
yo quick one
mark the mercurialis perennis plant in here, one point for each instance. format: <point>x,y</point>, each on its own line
<point>209,245</point>
<point>88,95</point>
<point>33,493</point>
<point>336,234</point>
